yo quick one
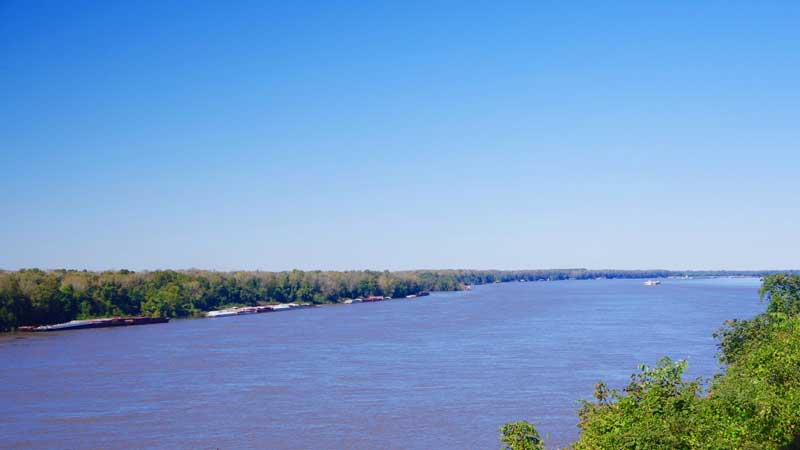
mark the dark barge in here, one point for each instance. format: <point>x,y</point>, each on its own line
<point>95,323</point>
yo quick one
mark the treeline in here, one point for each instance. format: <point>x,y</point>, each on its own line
<point>34,296</point>
<point>755,404</point>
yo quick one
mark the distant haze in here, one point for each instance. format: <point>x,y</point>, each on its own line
<point>402,136</point>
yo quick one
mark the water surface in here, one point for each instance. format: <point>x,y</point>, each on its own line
<point>444,371</point>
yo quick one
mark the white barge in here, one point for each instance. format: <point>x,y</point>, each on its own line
<point>244,310</point>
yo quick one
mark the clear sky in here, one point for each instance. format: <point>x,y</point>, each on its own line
<point>352,135</point>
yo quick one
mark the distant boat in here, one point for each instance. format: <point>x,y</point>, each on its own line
<point>652,283</point>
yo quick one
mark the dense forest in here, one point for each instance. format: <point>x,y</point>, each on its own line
<point>754,404</point>
<point>34,296</point>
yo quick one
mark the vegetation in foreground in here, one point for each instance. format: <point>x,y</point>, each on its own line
<point>755,404</point>
<point>36,297</point>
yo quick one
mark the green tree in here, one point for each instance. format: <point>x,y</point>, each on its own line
<point>782,291</point>
<point>653,412</point>
<point>520,436</point>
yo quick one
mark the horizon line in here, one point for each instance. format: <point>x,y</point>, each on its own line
<point>564,269</point>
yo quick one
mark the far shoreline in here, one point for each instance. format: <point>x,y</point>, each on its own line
<point>414,297</point>
<point>35,297</point>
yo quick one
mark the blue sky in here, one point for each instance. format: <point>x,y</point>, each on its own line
<point>339,135</point>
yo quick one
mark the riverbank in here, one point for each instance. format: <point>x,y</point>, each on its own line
<point>242,310</point>
<point>33,297</point>
<point>105,322</point>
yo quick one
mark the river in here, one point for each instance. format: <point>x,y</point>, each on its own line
<point>437,372</point>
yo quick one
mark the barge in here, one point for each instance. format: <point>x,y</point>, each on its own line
<point>244,310</point>
<point>95,323</point>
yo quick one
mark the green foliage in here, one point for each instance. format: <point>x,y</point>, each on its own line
<point>783,294</point>
<point>735,334</point>
<point>520,436</point>
<point>652,412</point>
<point>755,404</point>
